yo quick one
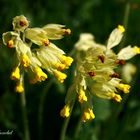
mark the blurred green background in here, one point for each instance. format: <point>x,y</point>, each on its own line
<point>113,121</point>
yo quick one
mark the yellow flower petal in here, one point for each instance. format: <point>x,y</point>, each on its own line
<point>65,112</point>
<point>121,28</point>
<point>15,74</point>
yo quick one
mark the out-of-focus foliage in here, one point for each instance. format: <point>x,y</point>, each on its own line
<point>113,121</point>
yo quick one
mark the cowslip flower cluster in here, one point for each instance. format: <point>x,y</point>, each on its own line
<point>34,52</point>
<point>95,72</point>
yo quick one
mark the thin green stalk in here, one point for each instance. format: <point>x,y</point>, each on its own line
<point>41,108</point>
<point>24,112</point>
<point>64,128</point>
<point>125,21</point>
<point>77,130</point>
<point>65,124</point>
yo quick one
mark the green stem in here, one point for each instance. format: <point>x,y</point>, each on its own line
<point>41,108</point>
<point>77,130</point>
<point>24,112</point>
<point>126,14</point>
<point>64,128</point>
<point>65,124</point>
<point>125,21</point>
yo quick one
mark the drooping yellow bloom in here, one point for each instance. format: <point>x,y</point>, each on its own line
<point>88,115</point>
<point>19,87</point>
<point>121,28</point>
<point>60,66</point>
<point>25,61</point>
<point>116,97</point>
<point>67,60</point>
<point>124,87</point>
<point>65,112</point>
<point>40,75</point>
<point>60,76</point>
<point>82,96</point>
<point>15,74</point>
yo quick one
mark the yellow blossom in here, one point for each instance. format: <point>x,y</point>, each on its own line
<point>60,66</point>
<point>82,97</point>
<point>116,97</point>
<point>67,60</point>
<point>15,74</point>
<point>65,112</point>
<point>25,61</point>
<point>124,87</point>
<point>60,76</point>
<point>88,115</point>
<point>19,88</point>
<point>121,28</point>
<point>40,75</point>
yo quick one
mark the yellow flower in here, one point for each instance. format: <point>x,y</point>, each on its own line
<point>121,28</point>
<point>40,75</point>
<point>25,61</point>
<point>60,76</point>
<point>60,66</point>
<point>82,96</point>
<point>15,74</point>
<point>67,60</point>
<point>124,87</point>
<point>116,97</point>
<point>65,112</point>
<point>19,87</point>
<point>88,115</point>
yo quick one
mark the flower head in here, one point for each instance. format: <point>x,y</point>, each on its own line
<point>95,73</point>
<point>46,55</point>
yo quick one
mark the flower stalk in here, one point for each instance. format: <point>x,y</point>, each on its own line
<point>65,124</point>
<point>24,112</point>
